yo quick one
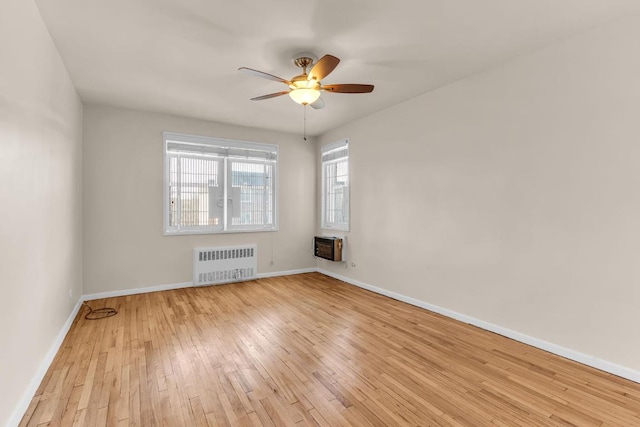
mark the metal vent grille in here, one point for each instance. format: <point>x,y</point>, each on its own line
<point>224,264</point>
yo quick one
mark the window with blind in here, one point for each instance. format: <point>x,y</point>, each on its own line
<point>216,186</point>
<point>335,186</point>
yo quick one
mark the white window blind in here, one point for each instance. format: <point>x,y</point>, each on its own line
<point>215,186</point>
<point>335,186</point>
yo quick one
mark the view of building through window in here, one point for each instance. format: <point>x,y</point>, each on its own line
<point>335,186</point>
<point>217,186</point>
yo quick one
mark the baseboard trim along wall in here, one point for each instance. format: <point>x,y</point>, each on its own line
<point>31,390</point>
<point>287,273</point>
<point>171,286</point>
<point>145,290</point>
<point>585,359</point>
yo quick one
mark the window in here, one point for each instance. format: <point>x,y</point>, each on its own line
<point>217,186</point>
<point>335,186</point>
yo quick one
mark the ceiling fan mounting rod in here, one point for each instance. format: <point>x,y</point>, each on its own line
<point>303,62</point>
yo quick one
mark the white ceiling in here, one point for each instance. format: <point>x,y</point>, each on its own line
<point>182,56</point>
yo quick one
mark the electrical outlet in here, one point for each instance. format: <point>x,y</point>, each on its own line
<point>70,293</point>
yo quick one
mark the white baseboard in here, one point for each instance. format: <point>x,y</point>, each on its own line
<point>585,359</point>
<point>171,286</point>
<point>145,290</point>
<point>287,272</point>
<point>27,396</point>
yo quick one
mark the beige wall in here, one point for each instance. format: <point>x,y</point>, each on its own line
<point>512,196</point>
<point>40,190</point>
<point>123,236</point>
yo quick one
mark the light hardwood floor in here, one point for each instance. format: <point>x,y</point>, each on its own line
<point>310,350</point>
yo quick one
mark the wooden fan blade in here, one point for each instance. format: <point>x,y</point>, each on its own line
<point>348,88</point>
<point>263,75</point>
<point>318,104</point>
<point>271,95</point>
<point>323,67</point>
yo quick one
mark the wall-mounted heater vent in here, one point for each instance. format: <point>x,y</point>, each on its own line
<point>225,264</point>
<point>331,248</point>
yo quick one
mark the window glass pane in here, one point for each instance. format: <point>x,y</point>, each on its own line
<point>196,194</point>
<point>173,191</point>
<point>252,193</point>
<point>337,193</point>
<point>335,186</point>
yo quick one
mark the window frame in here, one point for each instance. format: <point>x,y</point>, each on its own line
<point>324,224</point>
<point>225,174</point>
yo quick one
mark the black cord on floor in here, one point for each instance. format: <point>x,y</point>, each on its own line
<point>99,313</point>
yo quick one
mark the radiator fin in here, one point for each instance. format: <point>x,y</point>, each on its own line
<point>224,264</point>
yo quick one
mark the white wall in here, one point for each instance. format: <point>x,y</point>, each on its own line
<point>123,200</point>
<point>40,190</point>
<point>512,196</point>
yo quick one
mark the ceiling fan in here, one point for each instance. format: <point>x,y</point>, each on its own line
<point>305,88</point>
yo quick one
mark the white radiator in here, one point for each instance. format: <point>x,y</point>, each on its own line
<point>224,264</point>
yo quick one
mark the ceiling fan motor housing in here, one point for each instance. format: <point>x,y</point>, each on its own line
<point>302,82</point>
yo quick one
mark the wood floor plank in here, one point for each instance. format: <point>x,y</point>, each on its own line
<point>309,350</point>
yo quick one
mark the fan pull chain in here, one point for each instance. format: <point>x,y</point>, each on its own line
<point>305,123</point>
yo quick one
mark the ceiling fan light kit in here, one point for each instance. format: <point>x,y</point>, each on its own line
<point>305,89</point>
<point>304,96</point>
